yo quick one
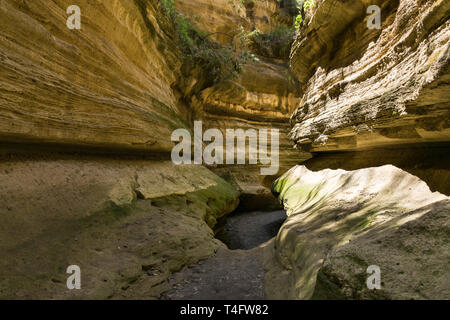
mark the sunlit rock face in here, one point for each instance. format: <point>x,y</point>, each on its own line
<point>265,94</point>
<point>368,87</point>
<point>341,222</point>
<point>109,88</point>
<point>107,85</point>
<point>262,97</point>
<point>222,19</point>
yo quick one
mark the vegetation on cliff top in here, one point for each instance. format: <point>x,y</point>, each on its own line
<point>278,42</point>
<point>221,62</point>
<point>300,6</point>
<point>226,62</point>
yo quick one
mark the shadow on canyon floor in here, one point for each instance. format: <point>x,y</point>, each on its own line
<point>247,230</point>
<point>235,272</point>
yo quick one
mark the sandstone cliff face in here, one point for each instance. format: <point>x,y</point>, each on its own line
<point>107,88</point>
<point>107,85</point>
<point>222,19</point>
<point>118,85</point>
<point>367,87</point>
<point>265,94</point>
<point>382,96</point>
<point>262,97</point>
<point>115,86</point>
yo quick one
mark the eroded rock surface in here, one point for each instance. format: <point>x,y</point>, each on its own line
<point>223,19</point>
<point>368,87</point>
<point>429,162</point>
<point>114,86</point>
<point>118,85</point>
<point>340,222</point>
<point>107,85</point>
<point>263,97</point>
<point>128,225</point>
<point>265,94</point>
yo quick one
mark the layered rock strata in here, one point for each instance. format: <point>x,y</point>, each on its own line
<point>372,87</point>
<point>263,96</point>
<point>223,19</point>
<point>108,85</point>
<point>111,89</point>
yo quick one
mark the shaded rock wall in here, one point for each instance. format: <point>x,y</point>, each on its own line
<point>127,224</point>
<point>368,87</point>
<point>429,162</point>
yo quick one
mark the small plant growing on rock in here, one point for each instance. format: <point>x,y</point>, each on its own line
<point>302,6</point>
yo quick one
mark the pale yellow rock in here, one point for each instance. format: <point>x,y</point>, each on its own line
<point>107,85</point>
<point>223,19</point>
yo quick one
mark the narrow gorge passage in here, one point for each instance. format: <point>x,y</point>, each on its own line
<point>235,272</point>
<point>247,230</point>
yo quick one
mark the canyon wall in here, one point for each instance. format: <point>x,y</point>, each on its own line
<point>108,85</point>
<point>342,222</point>
<point>86,118</point>
<point>372,87</point>
<point>373,98</point>
<point>81,114</point>
<point>223,19</point>
<point>263,96</point>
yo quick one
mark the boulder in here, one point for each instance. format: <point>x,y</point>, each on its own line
<point>128,224</point>
<point>341,222</point>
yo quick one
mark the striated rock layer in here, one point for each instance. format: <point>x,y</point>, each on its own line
<point>111,87</point>
<point>341,222</point>
<point>263,96</point>
<point>368,87</point>
<point>223,19</point>
<point>114,86</point>
<point>107,85</point>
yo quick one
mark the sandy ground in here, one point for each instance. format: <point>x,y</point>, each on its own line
<point>235,272</point>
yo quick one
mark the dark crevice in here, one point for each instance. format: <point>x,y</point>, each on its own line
<point>248,230</point>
